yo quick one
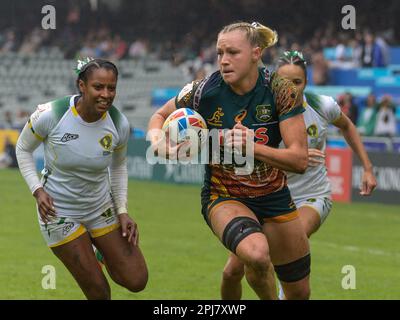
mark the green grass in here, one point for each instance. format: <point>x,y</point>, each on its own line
<point>184,258</point>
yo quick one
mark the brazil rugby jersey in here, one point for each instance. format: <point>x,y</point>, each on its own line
<point>77,155</point>
<point>320,112</point>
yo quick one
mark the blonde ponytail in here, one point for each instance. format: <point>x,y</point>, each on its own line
<point>257,34</point>
<point>268,37</point>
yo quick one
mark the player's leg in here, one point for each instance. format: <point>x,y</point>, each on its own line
<point>313,212</point>
<point>231,286</point>
<point>77,255</point>
<point>290,255</point>
<point>310,220</point>
<point>239,230</point>
<point>70,242</point>
<point>124,261</point>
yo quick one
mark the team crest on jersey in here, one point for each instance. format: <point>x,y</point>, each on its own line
<point>263,112</point>
<point>108,214</point>
<point>106,143</point>
<point>215,120</point>
<point>312,131</point>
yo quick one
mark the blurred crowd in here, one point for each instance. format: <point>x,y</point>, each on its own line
<point>184,33</point>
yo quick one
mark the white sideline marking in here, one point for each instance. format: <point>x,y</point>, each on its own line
<point>377,252</point>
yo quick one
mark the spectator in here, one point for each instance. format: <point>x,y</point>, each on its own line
<point>372,53</point>
<point>320,73</point>
<point>9,43</point>
<point>8,120</point>
<point>138,49</point>
<point>385,119</point>
<point>350,109</point>
<point>367,120</point>
<point>119,48</point>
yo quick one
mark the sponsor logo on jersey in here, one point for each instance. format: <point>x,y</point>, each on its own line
<point>242,114</point>
<point>312,131</point>
<point>263,112</point>
<point>215,120</point>
<point>69,136</point>
<point>67,228</point>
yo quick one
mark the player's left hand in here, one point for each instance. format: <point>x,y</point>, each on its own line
<point>315,157</point>
<point>240,137</point>
<point>129,228</point>
<point>368,183</point>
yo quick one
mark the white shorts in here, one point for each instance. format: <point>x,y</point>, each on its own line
<point>321,204</point>
<point>61,230</point>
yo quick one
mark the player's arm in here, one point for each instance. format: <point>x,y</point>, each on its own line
<point>157,120</point>
<point>26,144</point>
<point>294,157</point>
<point>30,138</point>
<point>353,138</point>
<point>288,101</point>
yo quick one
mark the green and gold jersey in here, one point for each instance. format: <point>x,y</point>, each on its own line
<point>271,101</point>
<point>320,112</point>
<point>77,155</point>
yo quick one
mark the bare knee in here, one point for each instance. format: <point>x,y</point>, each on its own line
<point>233,273</point>
<point>137,285</point>
<point>298,293</point>
<point>134,282</point>
<point>259,260</point>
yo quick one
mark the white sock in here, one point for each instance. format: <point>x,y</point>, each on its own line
<point>281,294</point>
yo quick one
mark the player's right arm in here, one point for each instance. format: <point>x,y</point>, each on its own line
<point>158,138</point>
<point>157,120</point>
<point>32,135</point>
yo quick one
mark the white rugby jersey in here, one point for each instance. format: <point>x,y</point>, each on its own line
<point>320,111</point>
<point>77,155</point>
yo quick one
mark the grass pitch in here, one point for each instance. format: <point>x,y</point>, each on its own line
<point>184,258</point>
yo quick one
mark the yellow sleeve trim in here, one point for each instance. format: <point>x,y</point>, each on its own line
<point>117,148</point>
<point>74,111</point>
<point>33,131</point>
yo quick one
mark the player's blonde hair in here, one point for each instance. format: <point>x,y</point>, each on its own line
<point>257,34</point>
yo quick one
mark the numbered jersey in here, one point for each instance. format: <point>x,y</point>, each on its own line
<point>77,155</point>
<point>272,100</point>
<point>320,112</point>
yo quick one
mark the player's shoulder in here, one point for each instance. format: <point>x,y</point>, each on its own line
<point>325,106</point>
<point>319,100</point>
<point>321,103</point>
<point>52,110</point>
<point>285,93</point>
<point>118,118</point>
<point>194,91</point>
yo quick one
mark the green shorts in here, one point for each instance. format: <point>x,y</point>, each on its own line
<point>274,207</point>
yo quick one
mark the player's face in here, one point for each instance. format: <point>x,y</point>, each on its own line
<point>236,57</point>
<point>295,74</point>
<point>99,90</point>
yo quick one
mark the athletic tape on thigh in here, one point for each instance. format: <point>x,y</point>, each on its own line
<point>238,229</point>
<point>294,271</point>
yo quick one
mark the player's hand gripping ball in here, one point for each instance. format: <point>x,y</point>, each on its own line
<point>185,124</point>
